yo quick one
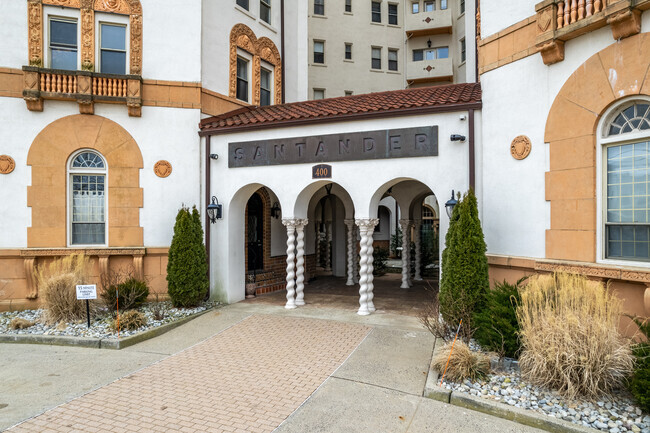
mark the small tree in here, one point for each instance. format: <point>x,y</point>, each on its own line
<point>187,268</point>
<point>465,281</point>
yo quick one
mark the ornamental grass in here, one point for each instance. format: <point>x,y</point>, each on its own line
<point>463,363</point>
<point>569,334</point>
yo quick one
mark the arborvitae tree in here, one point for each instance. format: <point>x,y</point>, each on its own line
<point>465,281</point>
<point>187,268</point>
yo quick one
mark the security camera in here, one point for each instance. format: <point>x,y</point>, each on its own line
<point>457,137</point>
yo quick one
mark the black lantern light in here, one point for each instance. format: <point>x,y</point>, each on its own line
<point>215,210</point>
<point>429,43</point>
<point>275,210</point>
<point>451,203</point>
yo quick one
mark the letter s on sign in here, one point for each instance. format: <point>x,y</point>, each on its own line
<point>239,153</point>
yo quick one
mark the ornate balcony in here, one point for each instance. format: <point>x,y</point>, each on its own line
<point>561,20</point>
<point>429,71</point>
<point>82,86</point>
<point>428,23</point>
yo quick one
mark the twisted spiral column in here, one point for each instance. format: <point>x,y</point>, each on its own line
<point>406,265</point>
<point>328,246</point>
<point>370,229</point>
<point>349,223</point>
<point>418,250</point>
<point>290,224</point>
<point>363,272</point>
<point>357,234</point>
<point>317,224</point>
<point>300,261</point>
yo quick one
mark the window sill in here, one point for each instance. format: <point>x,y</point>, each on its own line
<point>377,70</point>
<point>626,263</point>
<point>319,65</point>
<point>372,23</point>
<point>394,72</point>
<point>394,26</point>
<point>323,17</point>
<point>348,60</point>
<point>267,25</point>
<point>461,63</point>
<point>348,13</point>
<point>245,12</point>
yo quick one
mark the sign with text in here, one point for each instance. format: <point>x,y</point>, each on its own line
<point>86,291</point>
<point>321,171</point>
<point>353,146</point>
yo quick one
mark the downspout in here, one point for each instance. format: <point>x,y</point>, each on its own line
<point>284,71</point>
<point>472,168</point>
<point>477,36</point>
<point>207,202</point>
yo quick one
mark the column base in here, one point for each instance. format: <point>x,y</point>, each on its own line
<point>290,306</point>
<point>300,303</point>
<point>405,286</point>
<point>418,279</point>
<point>363,313</point>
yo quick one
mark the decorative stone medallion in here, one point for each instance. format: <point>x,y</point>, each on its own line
<point>7,164</point>
<point>162,168</point>
<point>520,147</point>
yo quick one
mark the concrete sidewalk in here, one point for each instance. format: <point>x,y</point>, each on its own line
<point>378,388</point>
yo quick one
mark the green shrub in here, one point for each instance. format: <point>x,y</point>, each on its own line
<point>132,294</point>
<point>465,281</point>
<point>640,381</point>
<point>379,255</point>
<point>187,268</point>
<point>496,324</point>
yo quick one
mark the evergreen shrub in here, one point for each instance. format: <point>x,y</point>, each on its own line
<point>380,256</point>
<point>496,325</point>
<point>187,268</point>
<point>131,291</point>
<point>465,281</point>
<point>640,381</point>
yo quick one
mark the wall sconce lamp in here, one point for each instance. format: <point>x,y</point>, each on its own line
<point>451,203</point>
<point>457,137</point>
<point>429,43</point>
<point>275,210</point>
<point>215,210</point>
<point>214,156</point>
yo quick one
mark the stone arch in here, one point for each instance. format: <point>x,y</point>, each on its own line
<point>241,36</point>
<point>47,195</point>
<point>132,8</point>
<point>616,72</point>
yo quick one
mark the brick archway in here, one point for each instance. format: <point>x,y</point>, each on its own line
<point>616,72</point>
<point>47,195</point>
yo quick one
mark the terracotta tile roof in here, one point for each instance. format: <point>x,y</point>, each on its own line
<point>397,102</point>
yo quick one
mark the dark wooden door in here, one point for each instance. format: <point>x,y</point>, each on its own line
<point>255,229</point>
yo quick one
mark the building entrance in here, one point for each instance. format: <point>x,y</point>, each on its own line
<point>255,232</point>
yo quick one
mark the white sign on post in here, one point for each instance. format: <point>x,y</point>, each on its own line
<point>86,291</point>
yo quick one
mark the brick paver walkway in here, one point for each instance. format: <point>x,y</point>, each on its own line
<point>247,379</point>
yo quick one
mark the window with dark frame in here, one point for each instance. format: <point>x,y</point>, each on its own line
<point>265,11</point>
<point>376,12</point>
<point>392,60</point>
<point>376,58</point>
<point>462,7</point>
<point>429,6</point>
<point>242,79</point>
<point>392,14</point>
<point>112,52</point>
<point>348,5</point>
<point>415,7</point>
<point>243,4</point>
<point>87,199</point>
<point>319,52</point>
<point>265,87</point>
<point>63,43</point>
<point>319,7</point>
<point>348,93</point>
<point>463,53</point>
<point>348,51</point>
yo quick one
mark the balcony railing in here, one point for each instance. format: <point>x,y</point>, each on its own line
<point>428,23</point>
<point>559,21</point>
<point>429,71</point>
<point>84,87</point>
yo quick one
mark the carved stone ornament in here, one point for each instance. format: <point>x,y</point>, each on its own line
<point>544,20</point>
<point>7,164</point>
<point>520,147</point>
<point>162,168</point>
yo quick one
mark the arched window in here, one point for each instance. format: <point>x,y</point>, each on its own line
<point>429,219</point>
<point>87,198</point>
<point>626,182</point>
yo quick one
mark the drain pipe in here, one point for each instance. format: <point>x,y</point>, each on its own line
<point>284,71</point>
<point>472,163</point>
<point>207,202</point>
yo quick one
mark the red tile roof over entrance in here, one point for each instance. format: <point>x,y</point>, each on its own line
<point>397,102</point>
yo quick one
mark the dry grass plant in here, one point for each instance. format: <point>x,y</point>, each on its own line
<point>57,284</point>
<point>131,320</point>
<point>569,334</point>
<point>463,364</point>
<point>19,323</point>
<point>158,308</point>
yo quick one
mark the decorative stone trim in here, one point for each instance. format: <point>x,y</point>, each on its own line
<point>162,168</point>
<point>520,147</point>
<point>7,164</point>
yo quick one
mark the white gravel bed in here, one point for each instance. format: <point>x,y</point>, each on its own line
<point>99,323</point>
<point>613,415</point>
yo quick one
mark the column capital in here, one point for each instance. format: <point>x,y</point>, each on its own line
<point>300,222</point>
<point>367,223</point>
<point>405,223</point>
<point>349,222</point>
<point>289,222</point>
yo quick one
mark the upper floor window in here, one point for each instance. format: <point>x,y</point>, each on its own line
<point>63,45</point>
<point>392,13</point>
<point>265,87</point>
<point>87,192</point>
<point>348,51</point>
<point>376,12</point>
<point>112,54</point>
<point>415,7</point>
<point>265,11</point>
<point>443,4</point>
<point>462,7</point>
<point>376,58</point>
<point>348,5</point>
<point>319,7</point>
<point>431,54</point>
<point>463,50</point>
<point>429,6</point>
<point>392,60</point>
<point>243,3</point>
<point>319,52</point>
<point>242,79</point>
<point>319,93</point>
<point>626,183</point>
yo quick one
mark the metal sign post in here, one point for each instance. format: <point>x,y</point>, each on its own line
<point>86,292</point>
